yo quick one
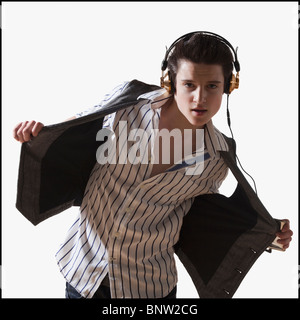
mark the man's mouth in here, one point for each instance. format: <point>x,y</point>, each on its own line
<point>198,111</point>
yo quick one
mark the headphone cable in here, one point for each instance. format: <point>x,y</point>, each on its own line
<point>229,125</point>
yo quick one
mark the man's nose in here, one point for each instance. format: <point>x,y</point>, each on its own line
<point>200,96</point>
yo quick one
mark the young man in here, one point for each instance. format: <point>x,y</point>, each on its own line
<point>121,245</point>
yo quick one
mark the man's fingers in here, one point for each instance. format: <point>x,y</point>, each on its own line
<point>25,130</point>
<point>286,226</point>
<point>15,131</point>
<point>285,232</point>
<point>20,131</point>
<point>37,128</point>
<point>285,235</point>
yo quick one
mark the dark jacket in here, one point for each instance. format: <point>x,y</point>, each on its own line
<point>221,237</point>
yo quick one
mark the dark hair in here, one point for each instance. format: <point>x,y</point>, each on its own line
<point>201,48</point>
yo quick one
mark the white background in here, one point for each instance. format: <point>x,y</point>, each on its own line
<point>60,58</point>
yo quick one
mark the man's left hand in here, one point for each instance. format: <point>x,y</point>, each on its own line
<point>285,234</point>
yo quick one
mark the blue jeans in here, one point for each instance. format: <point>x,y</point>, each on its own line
<point>103,292</point>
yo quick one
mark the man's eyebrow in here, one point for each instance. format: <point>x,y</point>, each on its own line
<point>210,81</point>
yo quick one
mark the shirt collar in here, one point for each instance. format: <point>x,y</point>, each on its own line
<point>214,140</point>
<point>157,97</point>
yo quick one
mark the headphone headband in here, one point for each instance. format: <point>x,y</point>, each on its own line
<point>189,35</point>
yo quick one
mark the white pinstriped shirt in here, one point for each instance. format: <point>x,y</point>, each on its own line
<point>128,221</point>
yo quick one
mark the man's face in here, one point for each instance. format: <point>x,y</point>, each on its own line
<point>199,90</point>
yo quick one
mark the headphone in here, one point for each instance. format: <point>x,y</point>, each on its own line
<point>233,82</point>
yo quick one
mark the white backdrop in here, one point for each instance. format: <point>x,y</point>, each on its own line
<point>62,57</point>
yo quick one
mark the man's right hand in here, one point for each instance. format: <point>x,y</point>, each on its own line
<point>24,131</point>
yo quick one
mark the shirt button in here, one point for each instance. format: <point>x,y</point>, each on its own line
<point>112,259</point>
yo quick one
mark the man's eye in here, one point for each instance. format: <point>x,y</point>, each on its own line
<point>188,85</point>
<point>212,86</point>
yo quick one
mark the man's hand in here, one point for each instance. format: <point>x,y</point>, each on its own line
<point>24,131</point>
<point>285,235</point>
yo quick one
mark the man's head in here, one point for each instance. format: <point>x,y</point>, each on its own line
<point>204,49</point>
<point>200,69</point>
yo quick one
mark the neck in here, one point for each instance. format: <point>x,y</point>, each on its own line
<point>172,118</point>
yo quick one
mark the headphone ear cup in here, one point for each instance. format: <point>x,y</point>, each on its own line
<point>165,82</point>
<point>233,83</point>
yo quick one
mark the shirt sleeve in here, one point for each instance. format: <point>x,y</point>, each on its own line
<point>107,98</point>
